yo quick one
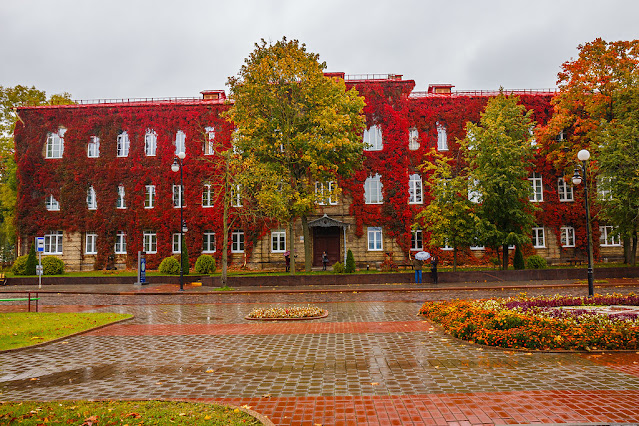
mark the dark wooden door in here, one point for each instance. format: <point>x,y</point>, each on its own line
<point>327,240</point>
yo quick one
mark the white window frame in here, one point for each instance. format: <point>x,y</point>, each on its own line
<point>207,195</point>
<point>536,188</point>
<point>607,237</point>
<point>604,192</point>
<point>237,241</point>
<point>177,243</point>
<point>120,243</point>
<point>208,240</point>
<point>413,139</point>
<point>180,142</point>
<point>373,139</point>
<point>93,147</point>
<point>150,143</point>
<point>55,144</point>
<point>90,243</point>
<point>321,191</point>
<point>442,137</point>
<point>120,202</point>
<point>209,142</point>
<point>446,246</point>
<point>567,236</point>
<point>538,237</point>
<point>415,189</point>
<point>375,238</point>
<point>53,242</point>
<point>278,241</point>
<point>178,196</point>
<point>150,242</point>
<point>373,190</point>
<point>149,196</point>
<point>236,195</point>
<point>51,204</point>
<point>123,144</point>
<point>92,199</point>
<point>417,240</point>
<point>474,195</point>
<point>565,191</point>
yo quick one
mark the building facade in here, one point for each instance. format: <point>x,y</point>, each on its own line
<point>95,180</point>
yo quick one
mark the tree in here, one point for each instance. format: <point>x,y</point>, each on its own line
<point>500,156</point>
<point>350,262</point>
<point>596,108</point>
<point>450,216</point>
<point>299,126</point>
<point>11,98</point>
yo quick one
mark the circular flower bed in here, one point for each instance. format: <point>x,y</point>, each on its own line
<point>289,313</point>
<point>545,323</point>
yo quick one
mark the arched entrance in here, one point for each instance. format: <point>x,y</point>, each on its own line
<point>327,237</point>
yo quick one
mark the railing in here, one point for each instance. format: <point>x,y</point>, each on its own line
<point>483,93</point>
<point>134,100</point>
<point>372,77</point>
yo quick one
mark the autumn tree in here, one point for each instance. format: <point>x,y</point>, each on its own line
<point>500,158</point>
<point>299,126</point>
<point>10,98</point>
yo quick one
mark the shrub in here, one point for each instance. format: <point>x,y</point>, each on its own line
<point>338,268</point>
<point>20,265</point>
<point>518,260</point>
<point>52,265</point>
<point>350,262</point>
<point>169,265</point>
<point>205,264</point>
<point>32,262</point>
<point>536,262</point>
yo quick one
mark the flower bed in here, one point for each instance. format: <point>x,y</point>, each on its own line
<point>542,322</point>
<point>291,312</point>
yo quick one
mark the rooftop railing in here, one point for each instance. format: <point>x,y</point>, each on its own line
<point>483,93</point>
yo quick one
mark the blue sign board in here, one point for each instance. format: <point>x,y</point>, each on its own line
<point>40,244</point>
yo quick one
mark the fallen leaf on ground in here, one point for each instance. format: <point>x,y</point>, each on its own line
<point>209,371</point>
<point>134,415</point>
<point>374,383</point>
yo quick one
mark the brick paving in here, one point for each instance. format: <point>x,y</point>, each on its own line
<point>372,361</point>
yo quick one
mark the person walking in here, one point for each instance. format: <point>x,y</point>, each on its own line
<point>417,266</point>
<point>324,260</point>
<point>433,269</point>
<point>287,260</point>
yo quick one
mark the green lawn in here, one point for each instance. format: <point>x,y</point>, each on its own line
<point>121,413</point>
<point>20,329</point>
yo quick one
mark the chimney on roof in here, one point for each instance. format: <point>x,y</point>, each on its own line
<point>213,95</point>
<point>440,88</point>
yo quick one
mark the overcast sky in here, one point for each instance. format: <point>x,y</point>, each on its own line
<point>159,48</point>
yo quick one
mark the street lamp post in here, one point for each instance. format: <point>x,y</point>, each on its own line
<point>584,156</point>
<point>177,165</point>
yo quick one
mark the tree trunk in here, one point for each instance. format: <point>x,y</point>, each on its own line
<point>291,243</point>
<point>633,255</point>
<point>308,261</point>
<point>455,259</point>
<point>504,265</point>
<point>627,250</point>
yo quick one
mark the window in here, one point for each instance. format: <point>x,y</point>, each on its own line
<point>538,239</point>
<point>561,136</point>
<point>180,142</point>
<point>207,195</point>
<point>123,144</point>
<point>416,242</point>
<point>374,238</point>
<point>531,131</point>
<point>474,194</point>
<point>52,204</point>
<point>120,242</point>
<point>53,242</point>
<point>477,244</point>
<point>93,148</point>
<point>278,241</point>
<point>609,237</point>
<point>92,201</point>
<point>413,139</point>
<point>415,189</point>
<point>178,196</point>
<point>442,138</point>
<point>564,190</point>
<point>536,188</point>
<point>373,139</point>
<point>209,142</point>
<point>90,243</point>
<point>470,136</point>
<point>446,246</point>
<point>373,190</point>
<point>55,144</point>
<point>236,195</point>
<point>150,242</point>
<point>120,203</point>
<point>149,196</point>
<point>208,242</point>
<point>604,184</point>
<point>567,236</point>
<point>150,143</point>
<point>237,241</point>
<point>324,191</point>
<point>177,243</point>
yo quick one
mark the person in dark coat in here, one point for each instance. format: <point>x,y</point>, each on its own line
<point>417,266</point>
<point>287,259</point>
<point>324,260</point>
<point>433,269</point>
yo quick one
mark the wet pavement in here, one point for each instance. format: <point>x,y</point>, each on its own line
<point>372,361</point>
